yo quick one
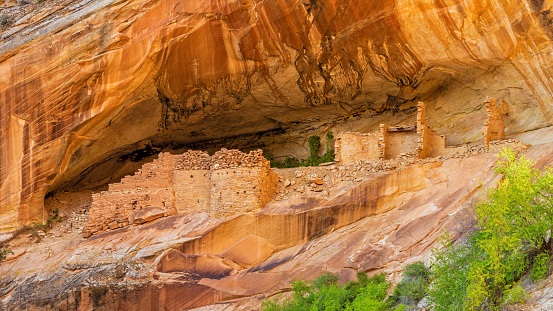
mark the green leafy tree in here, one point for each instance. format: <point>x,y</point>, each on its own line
<point>513,220</point>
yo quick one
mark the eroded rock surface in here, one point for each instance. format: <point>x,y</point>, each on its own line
<point>91,89</point>
<point>381,223</point>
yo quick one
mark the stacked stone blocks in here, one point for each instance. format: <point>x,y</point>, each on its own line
<point>227,183</point>
<point>494,126</point>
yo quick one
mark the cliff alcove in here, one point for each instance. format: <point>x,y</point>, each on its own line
<point>90,91</point>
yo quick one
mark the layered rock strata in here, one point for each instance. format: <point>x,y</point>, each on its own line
<point>91,90</point>
<point>382,223</point>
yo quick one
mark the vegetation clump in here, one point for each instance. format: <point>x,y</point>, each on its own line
<point>5,20</point>
<point>37,227</point>
<point>4,253</point>
<point>413,286</point>
<point>367,294</point>
<point>313,159</point>
<point>514,224</point>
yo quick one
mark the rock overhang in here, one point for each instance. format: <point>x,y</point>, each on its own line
<point>116,84</point>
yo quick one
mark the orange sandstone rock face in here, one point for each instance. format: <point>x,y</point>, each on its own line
<point>379,224</point>
<point>89,90</point>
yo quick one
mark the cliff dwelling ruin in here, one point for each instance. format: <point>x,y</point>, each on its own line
<point>232,182</point>
<point>418,141</point>
<point>229,182</point>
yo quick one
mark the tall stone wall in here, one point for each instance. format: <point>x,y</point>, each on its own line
<point>430,143</point>
<point>151,186</point>
<point>192,181</point>
<point>241,190</point>
<point>192,190</point>
<point>494,126</point>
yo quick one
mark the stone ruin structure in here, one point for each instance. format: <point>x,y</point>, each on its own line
<point>227,183</point>
<point>494,126</point>
<point>390,142</point>
<point>417,141</point>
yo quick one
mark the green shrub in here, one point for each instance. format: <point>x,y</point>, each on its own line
<point>413,286</point>
<point>5,20</point>
<point>55,217</point>
<point>513,220</point>
<point>540,268</point>
<point>312,160</point>
<point>515,295</point>
<point>4,253</point>
<point>365,294</point>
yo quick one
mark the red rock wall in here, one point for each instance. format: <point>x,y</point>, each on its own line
<point>79,85</point>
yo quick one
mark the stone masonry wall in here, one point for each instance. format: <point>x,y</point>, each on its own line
<point>151,186</point>
<point>351,147</point>
<point>391,142</point>
<point>430,143</point>
<point>229,182</point>
<point>241,190</point>
<point>494,126</point>
<point>226,183</point>
<point>402,142</point>
<point>192,190</point>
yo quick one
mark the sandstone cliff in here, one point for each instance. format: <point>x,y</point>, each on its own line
<point>91,89</point>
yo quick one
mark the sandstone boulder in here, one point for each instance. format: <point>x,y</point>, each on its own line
<point>146,214</point>
<point>249,251</point>
<point>204,266</point>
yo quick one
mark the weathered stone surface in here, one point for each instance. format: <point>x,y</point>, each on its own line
<point>249,251</point>
<point>202,266</point>
<point>380,224</point>
<point>146,214</point>
<point>91,89</point>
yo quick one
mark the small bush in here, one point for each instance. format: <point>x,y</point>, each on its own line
<point>413,286</point>
<point>313,159</point>
<point>55,217</point>
<point>4,253</point>
<point>515,295</point>
<point>540,269</point>
<point>5,20</point>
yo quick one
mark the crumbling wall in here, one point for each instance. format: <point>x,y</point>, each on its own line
<point>351,147</point>
<point>494,126</point>
<point>151,186</point>
<point>229,182</point>
<point>429,143</point>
